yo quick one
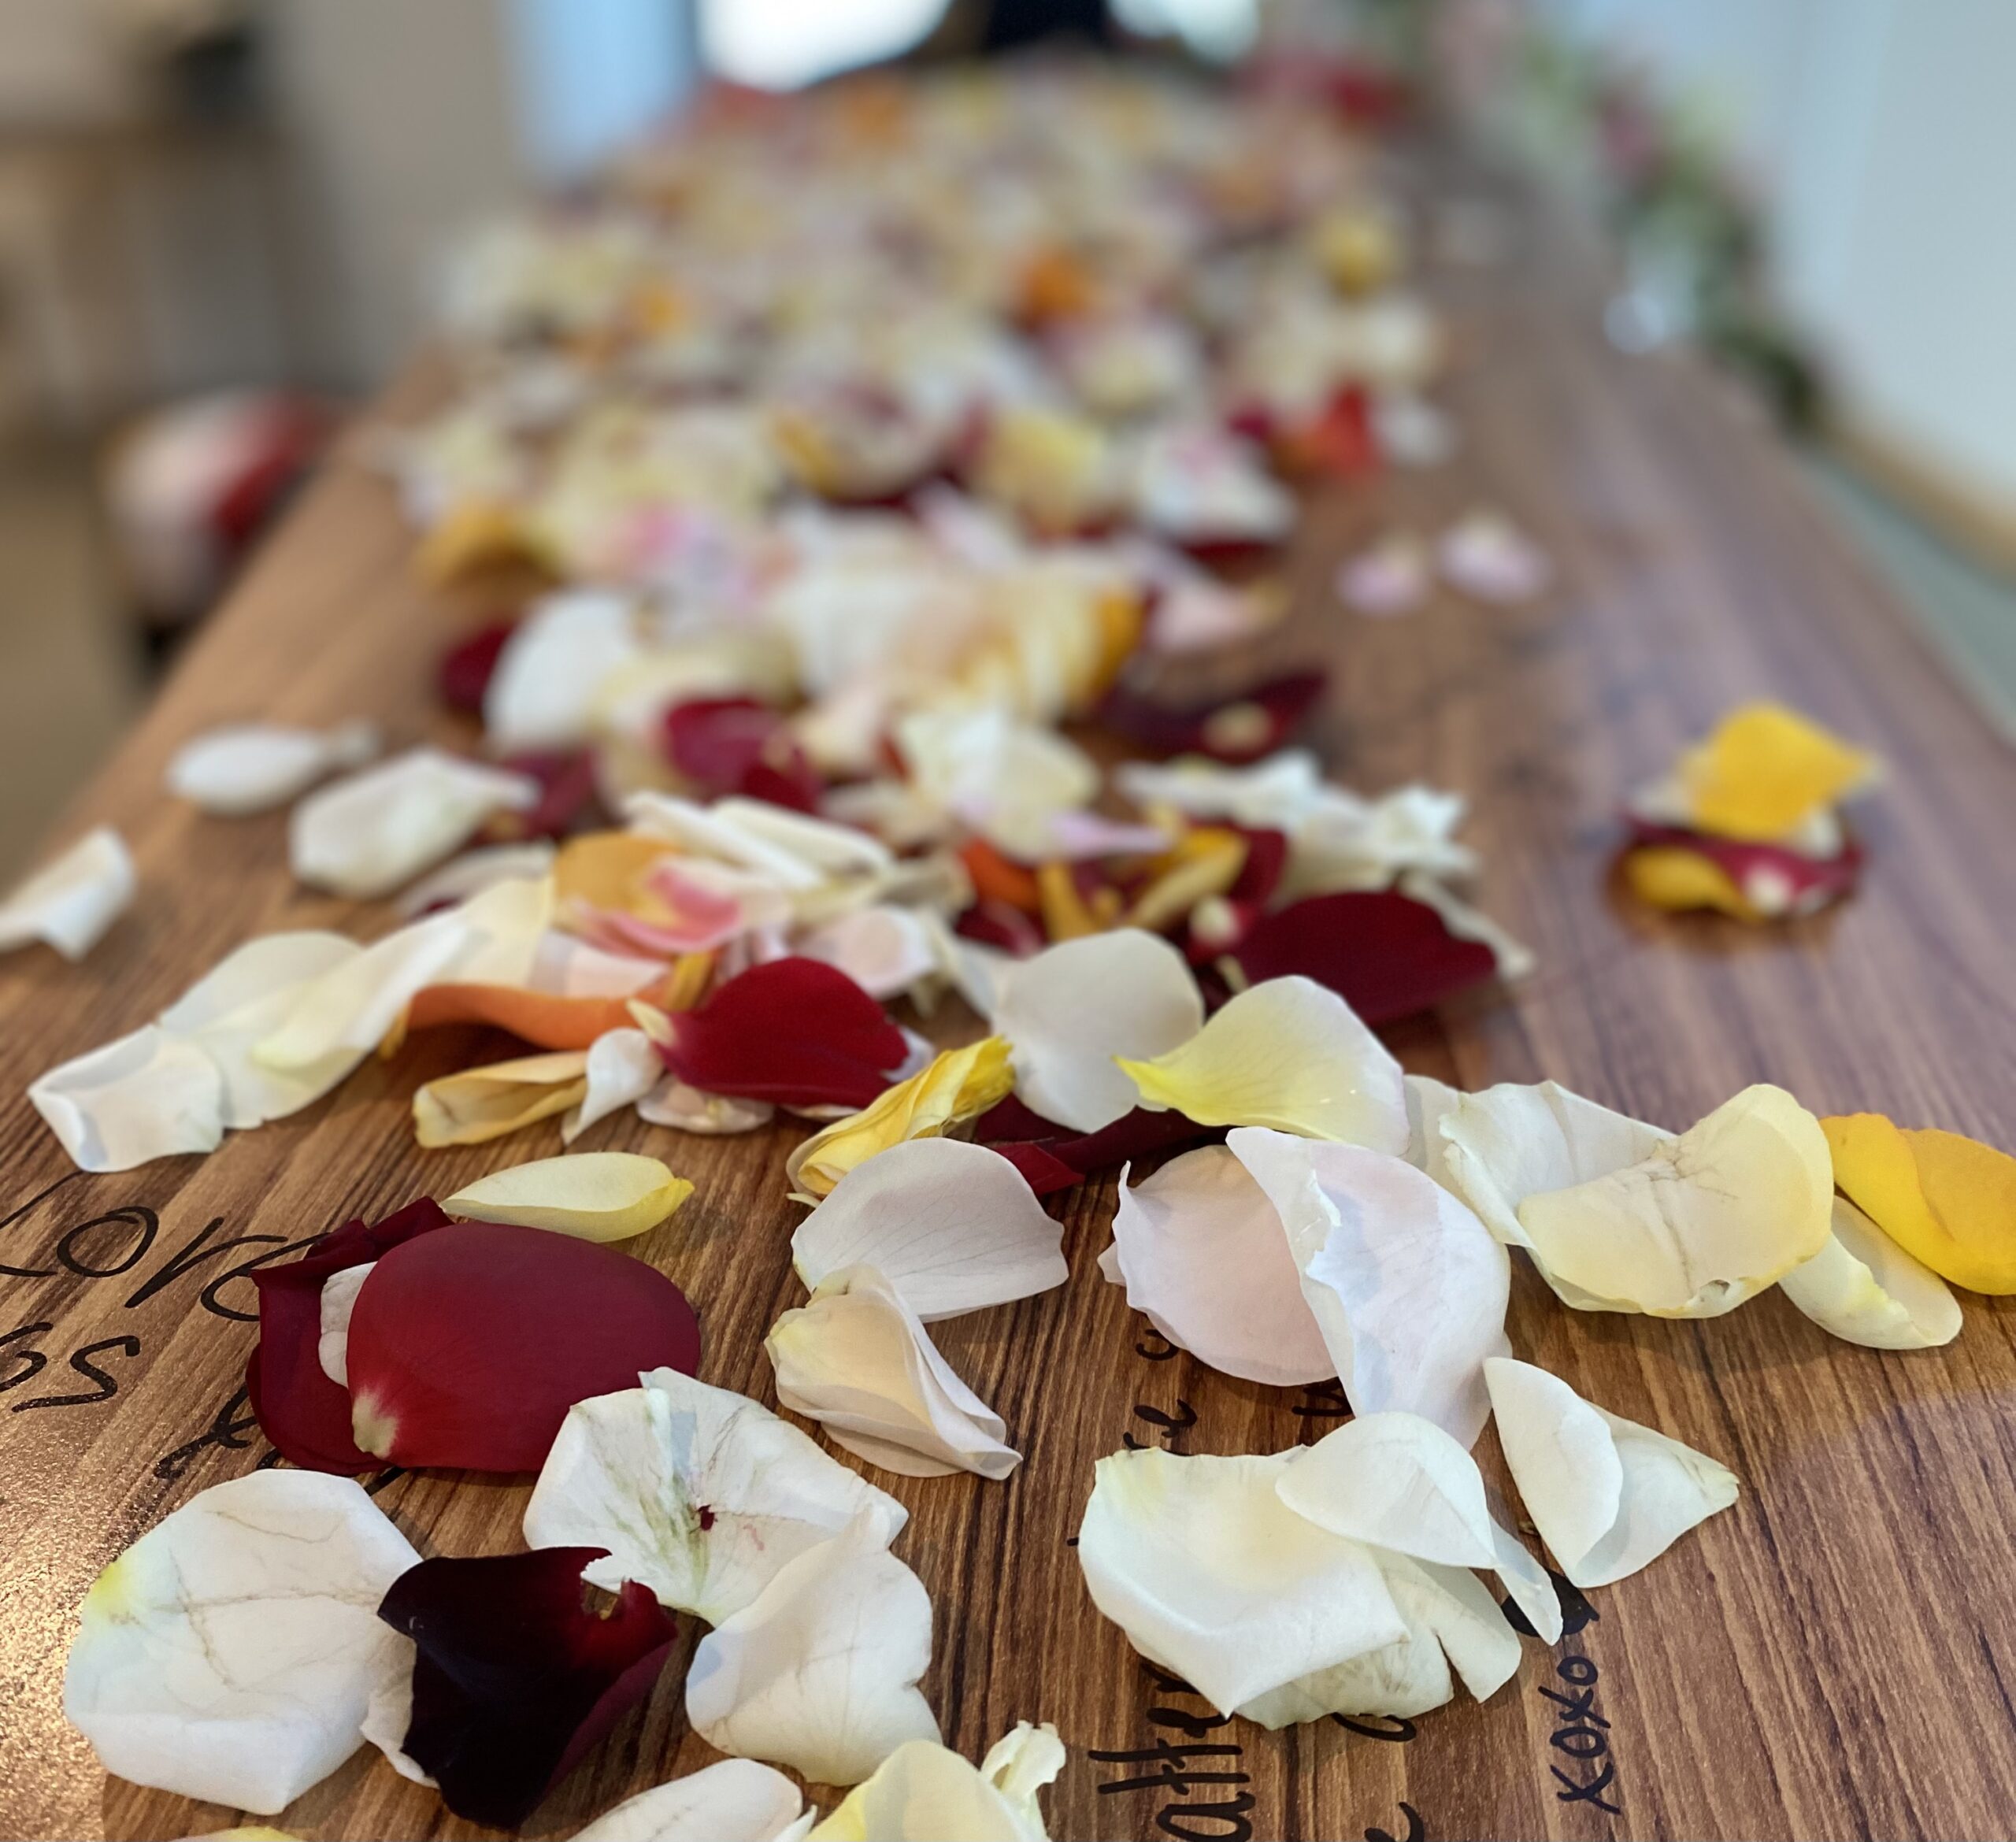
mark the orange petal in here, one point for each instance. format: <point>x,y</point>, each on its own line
<point>604,869</point>
<point>1950,1202</point>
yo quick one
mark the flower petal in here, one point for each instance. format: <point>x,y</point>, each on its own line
<point>739,745</point>
<point>468,1345</point>
<point>230,1653</point>
<point>599,1195</point>
<point>622,1068</point>
<point>1074,1008</point>
<point>252,767</point>
<point>368,833</point>
<point>820,1673</point>
<point>924,1793</point>
<point>544,690</point>
<point>480,1104</point>
<point>1764,770</point>
<point>700,1494</point>
<point>1241,726</point>
<point>859,1360</point>
<point>543,1019</point>
<point>1528,1584</point>
<point>1288,1055</point>
<point>732,1800</point>
<point>688,1110</point>
<point>1430,1102</point>
<point>515,1679</point>
<point>1701,1223</point>
<point>302,1408</point>
<point>950,1227</point>
<point>463,676</point>
<point>1608,1495</point>
<point>884,950</point>
<point>71,902</point>
<point>149,1095</point>
<point>1386,956</point>
<point>1670,867</point>
<point>1865,1288</point>
<point>1398,1481</point>
<point>475,871</point>
<point>1211,1575</point>
<point>1947,1201</point>
<point>1199,1248</point>
<point>1487,556</point>
<point>790,1031</point>
<point>959,1085</point>
<point>1408,1286</point>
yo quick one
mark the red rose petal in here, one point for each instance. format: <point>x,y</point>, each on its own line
<point>567,789</point>
<point>1051,1157</point>
<point>466,668</point>
<point>1339,442</point>
<point>1386,954</point>
<point>468,1346</point>
<point>997,924</point>
<point>1240,727</point>
<point>304,1413</point>
<point>514,1678</point>
<point>728,745</point>
<point>1813,881</point>
<point>794,1031</point>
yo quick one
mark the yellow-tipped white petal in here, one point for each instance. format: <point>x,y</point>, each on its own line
<point>1608,1495</point>
<point>1200,1250</point>
<point>732,1800</point>
<point>71,902</point>
<point>1397,1481</point>
<point>242,768</point>
<point>1070,1011</point>
<point>859,1360</point>
<point>1289,1055</point>
<point>372,831</point>
<point>1705,1221</point>
<point>230,1653</point>
<point>593,1195</point>
<point>1407,1285</point>
<point>952,1226</point>
<point>1527,1583</point>
<point>1863,1288</point>
<point>925,1793</point>
<point>819,1673</point>
<point>1211,1575</point>
<point>698,1493</point>
<point>476,1104</point>
<point>147,1095</point>
<point>623,1066</point>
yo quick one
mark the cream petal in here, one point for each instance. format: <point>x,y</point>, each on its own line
<point>476,1104</point>
<point>147,1095</point>
<point>688,1110</point>
<point>1211,1575</point>
<point>369,833</point>
<point>924,1793</point>
<point>1199,1248</point>
<point>623,1066</point>
<point>1287,1054</point>
<point>593,1195</point>
<point>1705,1221</point>
<point>1273,794</point>
<point>696,1493</point>
<point>71,902</point>
<point>475,871</point>
<point>732,1800</point>
<point>229,1654</point>
<point>1430,1102</point>
<point>829,849</point>
<point>242,768</point>
<point>951,1225</point>
<point>1409,1289</point>
<point>1397,1481</point>
<point>339,1300</point>
<point>1608,1495</point>
<point>859,1360</point>
<point>545,692</point>
<point>703,831</point>
<point>1006,780</point>
<point>1863,1288</point>
<point>819,1673</point>
<point>884,950</point>
<point>1527,1585</point>
<point>1347,840</point>
<point>1070,1010</point>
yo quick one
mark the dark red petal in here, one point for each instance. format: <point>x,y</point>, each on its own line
<point>464,672</point>
<point>304,1413</point>
<point>1813,881</point>
<point>794,1031</point>
<point>1043,1170</point>
<point>1339,442</point>
<point>1386,954</point>
<point>567,789</point>
<point>467,1346</point>
<point>1051,1157</point>
<point>1242,726</point>
<point>515,1679</point>
<point>1266,861</point>
<point>737,745</point>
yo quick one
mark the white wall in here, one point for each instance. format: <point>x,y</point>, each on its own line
<point>1882,134</point>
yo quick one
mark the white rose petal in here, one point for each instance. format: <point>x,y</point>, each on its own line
<point>624,1065</point>
<point>1397,1481</point>
<point>546,690</point>
<point>243,767</point>
<point>149,1095</point>
<point>733,1800</point>
<point>71,902</point>
<point>1865,1288</point>
<point>925,1793</point>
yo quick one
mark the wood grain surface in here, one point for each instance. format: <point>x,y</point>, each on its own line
<point>1828,1659</point>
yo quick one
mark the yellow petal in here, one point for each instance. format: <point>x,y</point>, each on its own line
<point>1864,1288</point>
<point>482,1103</point>
<point>1288,1053</point>
<point>1671,877</point>
<point>959,1085</point>
<point>1206,862</point>
<point>593,1195</point>
<point>1766,768</point>
<point>602,869</point>
<point>1947,1201</point>
<point>478,536</point>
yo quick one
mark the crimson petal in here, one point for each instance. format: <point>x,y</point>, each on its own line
<point>794,1031</point>
<point>1242,726</point>
<point>1051,1157</point>
<point>515,1679</point>
<point>737,745</point>
<point>466,668</point>
<point>1386,956</point>
<point>1810,882</point>
<point>567,789</point>
<point>468,1346</point>
<point>304,1413</point>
